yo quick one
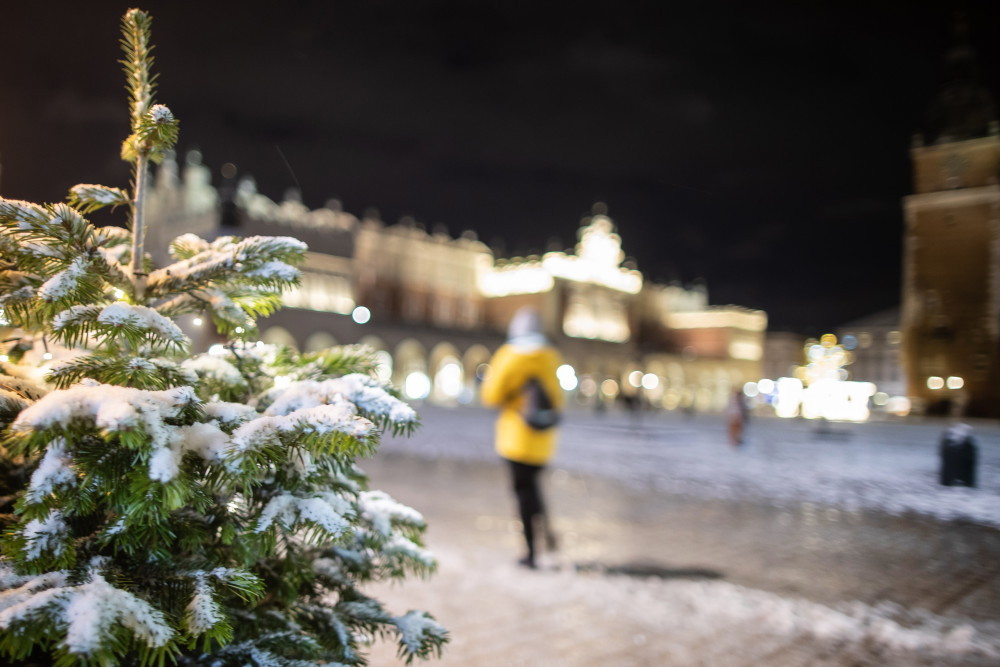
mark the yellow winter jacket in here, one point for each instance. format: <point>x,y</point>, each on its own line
<point>510,368</point>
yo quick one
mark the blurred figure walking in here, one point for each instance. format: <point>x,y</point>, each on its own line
<point>736,418</point>
<point>522,382</point>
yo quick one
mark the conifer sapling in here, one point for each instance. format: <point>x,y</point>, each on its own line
<point>166,508</point>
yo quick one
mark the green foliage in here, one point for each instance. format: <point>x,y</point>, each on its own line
<point>154,128</point>
<point>159,507</point>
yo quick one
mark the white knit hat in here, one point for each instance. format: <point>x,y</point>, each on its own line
<point>526,322</point>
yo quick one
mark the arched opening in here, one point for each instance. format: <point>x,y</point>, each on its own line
<point>374,342</point>
<point>448,374</point>
<point>476,362</point>
<point>410,370</point>
<point>320,340</point>
<point>279,336</point>
<point>383,371</point>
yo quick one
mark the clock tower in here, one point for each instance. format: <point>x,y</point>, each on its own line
<point>951,253</point>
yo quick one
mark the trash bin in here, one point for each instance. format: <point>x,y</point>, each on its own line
<point>958,456</point>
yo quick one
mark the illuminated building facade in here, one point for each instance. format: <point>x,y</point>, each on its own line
<point>437,307</point>
<point>782,354</point>
<point>875,344</point>
<point>951,279</point>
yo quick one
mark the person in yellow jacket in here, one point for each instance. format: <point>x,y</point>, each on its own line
<point>526,359</point>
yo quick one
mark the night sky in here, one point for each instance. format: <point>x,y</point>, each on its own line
<point>762,150</point>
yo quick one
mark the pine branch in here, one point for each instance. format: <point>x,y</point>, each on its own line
<point>87,198</point>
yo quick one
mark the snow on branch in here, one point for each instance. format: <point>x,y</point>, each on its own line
<point>220,261</point>
<point>214,369</point>
<point>336,418</point>
<point>86,611</point>
<point>75,315</point>
<point>383,511</point>
<point>143,319</point>
<point>206,440</point>
<point>138,324</point>
<point>16,588</point>
<point>403,547</point>
<point>419,633</point>
<point>45,535</point>
<point>22,216</point>
<point>274,271</point>
<point>88,197</point>
<point>188,245</point>
<point>203,612</point>
<point>229,414</point>
<point>112,409</point>
<point>55,470</point>
<point>65,282</point>
<point>324,509</point>
<point>362,390</point>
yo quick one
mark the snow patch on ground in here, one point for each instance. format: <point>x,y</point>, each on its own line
<point>882,466</point>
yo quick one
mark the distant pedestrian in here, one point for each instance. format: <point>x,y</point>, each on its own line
<point>958,456</point>
<point>736,418</point>
<point>522,382</point>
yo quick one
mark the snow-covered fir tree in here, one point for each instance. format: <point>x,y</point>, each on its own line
<point>164,508</point>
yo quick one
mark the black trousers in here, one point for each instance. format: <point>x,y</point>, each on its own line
<point>529,499</point>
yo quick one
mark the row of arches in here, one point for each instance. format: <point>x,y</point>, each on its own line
<point>444,374</point>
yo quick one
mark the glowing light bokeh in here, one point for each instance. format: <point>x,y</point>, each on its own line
<point>935,382</point>
<point>448,380</point>
<point>789,397</point>
<point>383,367</point>
<point>837,400</point>
<point>361,315</point>
<point>567,377</point>
<point>417,386</point>
<point>955,382</point>
<point>899,406</point>
<point>650,381</point>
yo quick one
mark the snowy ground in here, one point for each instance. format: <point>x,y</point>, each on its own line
<point>578,617</point>
<point>885,466</point>
<point>567,619</point>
